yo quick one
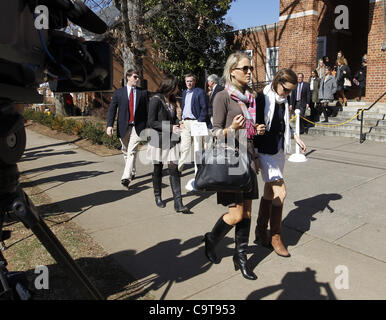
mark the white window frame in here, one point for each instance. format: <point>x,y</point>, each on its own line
<point>268,75</point>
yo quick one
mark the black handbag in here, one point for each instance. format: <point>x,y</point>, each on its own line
<point>225,169</point>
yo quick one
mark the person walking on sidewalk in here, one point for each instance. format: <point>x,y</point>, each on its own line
<point>164,146</point>
<point>232,110</point>
<point>132,104</point>
<point>327,89</point>
<point>214,87</point>
<point>272,110</point>
<point>194,109</point>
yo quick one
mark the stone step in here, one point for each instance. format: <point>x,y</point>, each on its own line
<point>367,115</point>
<point>379,107</point>
<point>323,131</point>
<point>366,122</point>
<point>355,127</point>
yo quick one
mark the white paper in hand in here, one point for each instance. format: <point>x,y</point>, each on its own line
<point>198,129</point>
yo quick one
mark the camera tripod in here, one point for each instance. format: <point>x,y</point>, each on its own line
<point>14,201</point>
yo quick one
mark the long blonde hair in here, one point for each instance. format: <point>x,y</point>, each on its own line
<point>231,63</point>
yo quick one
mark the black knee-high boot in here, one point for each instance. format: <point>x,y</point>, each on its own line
<point>175,182</point>
<point>157,185</point>
<point>220,229</point>
<point>240,255</point>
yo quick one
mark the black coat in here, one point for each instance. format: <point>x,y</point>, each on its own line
<point>361,76</point>
<point>217,89</point>
<point>161,121</point>
<point>272,141</point>
<point>305,97</point>
<point>342,73</point>
<point>120,101</point>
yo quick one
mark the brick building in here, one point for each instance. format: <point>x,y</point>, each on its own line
<point>310,29</point>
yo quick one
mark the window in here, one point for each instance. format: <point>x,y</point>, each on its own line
<point>321,51</point>
<point>272,66</point>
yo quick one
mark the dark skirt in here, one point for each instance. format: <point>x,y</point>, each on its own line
<point>231,199</point>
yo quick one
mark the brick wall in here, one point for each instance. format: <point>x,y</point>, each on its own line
<point>298,44</point>
<point>376,59</point>
<point>258,40</point>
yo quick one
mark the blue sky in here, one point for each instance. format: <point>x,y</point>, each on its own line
<point>252,13</point>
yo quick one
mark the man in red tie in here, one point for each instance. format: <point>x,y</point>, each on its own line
<point>301,99</point>
<point>132,105</point>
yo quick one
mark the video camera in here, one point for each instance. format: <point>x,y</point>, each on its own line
<point>34,50</point>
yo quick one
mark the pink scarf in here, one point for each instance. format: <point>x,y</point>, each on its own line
<point>249,112</point>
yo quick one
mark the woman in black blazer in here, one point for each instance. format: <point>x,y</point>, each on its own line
<point>163,146</point>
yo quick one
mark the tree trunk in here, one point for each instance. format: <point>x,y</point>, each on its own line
<point>59,105</point>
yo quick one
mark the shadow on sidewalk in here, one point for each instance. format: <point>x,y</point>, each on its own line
<point>297,286</point>
<point>73,176</point>
<point>295,224</point>
<point>53,145</point>
<point>156,268</point>
<point>30,156</point>
<point>83,203</point>
<point>165,264</point>
<point>300,218</point>
<point>64,165</point>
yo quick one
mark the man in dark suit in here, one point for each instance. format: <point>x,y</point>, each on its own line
<point>194,109</point>
<point>132,104</point>
<point>214,88</point>
<point>301,98</point>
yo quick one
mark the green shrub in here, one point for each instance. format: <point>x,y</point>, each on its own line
<point>68,126</point>
<point>93,132</point>
<point>112,143</point>
<point>57,123</point>
<point>43,118</point>
<point>29,114</point>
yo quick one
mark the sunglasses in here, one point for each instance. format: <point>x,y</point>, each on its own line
<point>245,68</point>
<point>285,89</point>
<point>136,77</point>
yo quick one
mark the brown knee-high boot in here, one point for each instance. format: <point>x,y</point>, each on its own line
<point>262,222</point>
<point>275,225</point>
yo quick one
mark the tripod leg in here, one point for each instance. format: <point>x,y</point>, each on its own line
<point>27,213</point>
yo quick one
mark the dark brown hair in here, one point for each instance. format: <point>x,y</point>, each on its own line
<point>167,86</point>
<point>191,75</point>
<point>283,76</point>
<point>130,72</point>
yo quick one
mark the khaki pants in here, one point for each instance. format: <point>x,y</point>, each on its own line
<point>186,142</point>
<point>130,143</point>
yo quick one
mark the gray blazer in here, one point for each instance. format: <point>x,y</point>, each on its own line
<point>327,89</point>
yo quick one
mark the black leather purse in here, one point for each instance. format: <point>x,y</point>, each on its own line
<point>224,169</point>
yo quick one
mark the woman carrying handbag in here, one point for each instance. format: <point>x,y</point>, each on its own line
<point>163,146</point>
<point>233,109</point>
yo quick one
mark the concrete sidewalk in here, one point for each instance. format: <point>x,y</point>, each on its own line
<point>334,223</point>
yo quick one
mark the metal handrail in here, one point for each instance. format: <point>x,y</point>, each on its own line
<point>360,116</point>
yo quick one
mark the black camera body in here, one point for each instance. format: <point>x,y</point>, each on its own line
<point>33,50</point>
